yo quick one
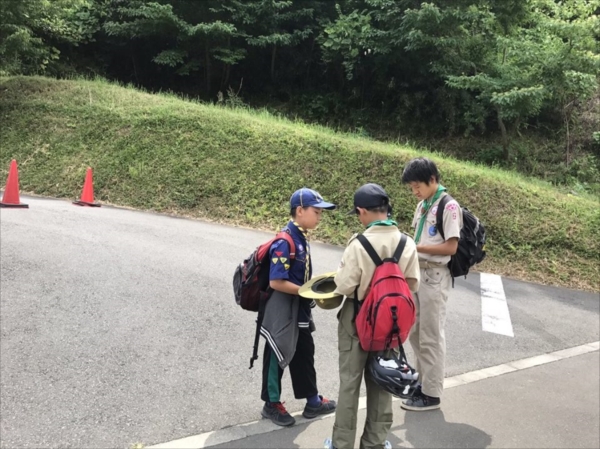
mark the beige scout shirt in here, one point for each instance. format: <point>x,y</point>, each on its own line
<point>356,267</point>
<point>452,221</point>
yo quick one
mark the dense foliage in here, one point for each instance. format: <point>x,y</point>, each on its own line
<point>520,74</point>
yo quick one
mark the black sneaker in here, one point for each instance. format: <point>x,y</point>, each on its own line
<point>325,408</point>
<point>420,402</point>
<point>276,412</point>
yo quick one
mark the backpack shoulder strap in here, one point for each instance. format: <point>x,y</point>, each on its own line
<point>370,250</point>
<point>400,248</point>
<point>285,235</point>
<point>439,215</point>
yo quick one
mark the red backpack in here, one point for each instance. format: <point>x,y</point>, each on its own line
<point>387,314</point>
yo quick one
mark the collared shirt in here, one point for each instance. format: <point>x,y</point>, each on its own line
<point>452,222</point>
<point>356,268</point>
<point>297,272</point>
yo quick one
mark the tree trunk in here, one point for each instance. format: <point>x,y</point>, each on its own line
<point>207,69</point>
<point>504,136</point>
<point>310,55</point>
<point>227,75</point>
<point>273,54</point>
<point>567,120</point>
<point>133,51</point>
<point>226,69</point>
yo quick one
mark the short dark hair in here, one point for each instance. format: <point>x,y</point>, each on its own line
<point>293,211</point>
<point>420,169</point>
<point>378,209</point>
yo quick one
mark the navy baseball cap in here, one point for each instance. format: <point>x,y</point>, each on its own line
<point>369,196</point>
<point>306,197</point>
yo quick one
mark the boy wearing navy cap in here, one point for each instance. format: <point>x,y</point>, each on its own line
<point>292,345</point>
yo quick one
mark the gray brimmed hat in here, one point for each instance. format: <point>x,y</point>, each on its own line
<point>321,289</point>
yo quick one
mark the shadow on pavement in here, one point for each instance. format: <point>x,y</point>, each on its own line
<point>431,430</point>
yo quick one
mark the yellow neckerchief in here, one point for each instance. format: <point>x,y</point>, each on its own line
<point>307,264</point>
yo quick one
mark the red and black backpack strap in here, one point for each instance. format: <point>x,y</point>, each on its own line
<point>285,235</point>
<point>376,260</point>
<point>369,249</point>
<point>400,248</point>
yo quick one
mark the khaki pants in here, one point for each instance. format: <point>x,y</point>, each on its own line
<point>352,361</point>
<point>428,337</point>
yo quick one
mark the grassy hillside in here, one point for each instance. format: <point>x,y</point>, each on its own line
<point>161,153</point>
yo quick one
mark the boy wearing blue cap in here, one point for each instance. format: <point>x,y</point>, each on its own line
<point>287,324</point>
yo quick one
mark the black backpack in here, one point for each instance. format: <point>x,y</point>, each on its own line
<point>471,246</point>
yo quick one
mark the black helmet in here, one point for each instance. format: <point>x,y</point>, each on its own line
<point>393,374</point>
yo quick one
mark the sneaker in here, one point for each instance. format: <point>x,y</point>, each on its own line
<point>326,407</point>
<point>420,402</point>
<point>276,412</point>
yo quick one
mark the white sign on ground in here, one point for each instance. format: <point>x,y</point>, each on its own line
<point>495,316</point>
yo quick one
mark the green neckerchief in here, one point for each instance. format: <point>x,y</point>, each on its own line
<point>425,209</point>
<point>388,222</point>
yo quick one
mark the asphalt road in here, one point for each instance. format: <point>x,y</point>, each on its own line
<point>119,327</point>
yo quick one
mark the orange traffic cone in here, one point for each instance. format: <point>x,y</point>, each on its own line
<point>87,197</point>
<point>11,192</point>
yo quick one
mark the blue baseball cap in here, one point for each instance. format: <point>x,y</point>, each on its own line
<point>306,197</point>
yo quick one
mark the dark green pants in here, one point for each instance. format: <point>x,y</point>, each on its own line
<point>302,370</point>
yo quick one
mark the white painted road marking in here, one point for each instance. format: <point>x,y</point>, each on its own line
<point>494,308</point>
<point>241,431</point>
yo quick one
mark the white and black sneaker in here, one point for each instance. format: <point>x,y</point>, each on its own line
<point>420,402</point>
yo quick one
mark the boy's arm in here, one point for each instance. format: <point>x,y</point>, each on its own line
<point>412,271</point>
<point>348,273</point>
<point>279,266</point>
<point>284,286</point>
<point>448,248</point>
<point>452,225</point>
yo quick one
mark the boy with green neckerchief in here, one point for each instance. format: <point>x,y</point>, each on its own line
<point>372,208</point>
<point>427,337</point>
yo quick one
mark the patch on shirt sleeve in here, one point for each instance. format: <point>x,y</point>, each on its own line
<point>451,206</point>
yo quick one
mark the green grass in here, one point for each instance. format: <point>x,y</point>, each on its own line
<point>162,153</point>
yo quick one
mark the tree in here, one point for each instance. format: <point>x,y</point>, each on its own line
<point>31,31</point>
<point>180,40</point>
<point>271,24</point>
